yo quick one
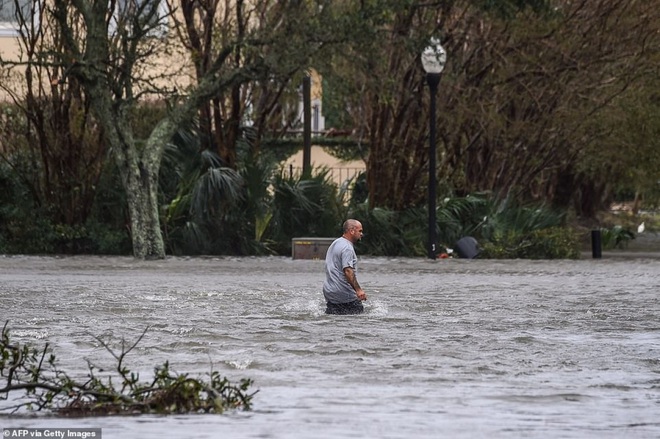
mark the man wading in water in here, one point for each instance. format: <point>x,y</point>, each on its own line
<point>341,290</point>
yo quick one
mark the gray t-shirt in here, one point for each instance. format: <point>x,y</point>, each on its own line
<point>340,255</point>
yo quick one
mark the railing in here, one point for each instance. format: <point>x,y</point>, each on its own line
<point>339,175</point>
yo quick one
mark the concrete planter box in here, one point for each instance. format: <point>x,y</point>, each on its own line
<point>310,248</point>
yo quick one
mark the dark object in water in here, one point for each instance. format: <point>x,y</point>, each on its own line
<point>467,247</point>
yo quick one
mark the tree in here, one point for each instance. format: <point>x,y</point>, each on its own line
<point>49,138</point>
<point>204,28</point>
<point>625,159</point>
<point>111,47</point>
<point>383,91</point>
<point>551,76</point>
<point>522,81</point>
<point>241,124</point>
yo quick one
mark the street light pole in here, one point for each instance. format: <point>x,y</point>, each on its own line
<point>433,61</point>
<point>433,79</point>
<point>307,127</point>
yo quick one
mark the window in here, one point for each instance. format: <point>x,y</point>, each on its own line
<point>8,20</point>
<point>126,10</point>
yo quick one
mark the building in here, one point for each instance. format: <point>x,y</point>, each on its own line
<point>10,50</point>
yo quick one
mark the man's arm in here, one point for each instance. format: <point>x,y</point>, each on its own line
<point>351,278</point>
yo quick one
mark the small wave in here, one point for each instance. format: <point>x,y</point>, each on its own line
<point>303,306</point>
<point>526,339</point>
<point>613,386</point>
<point>240,364</point>
<point>377,308</point>
<point>155,298</point>
<point>543,399</point>
<point>180,331</point>
<point>31,333</point>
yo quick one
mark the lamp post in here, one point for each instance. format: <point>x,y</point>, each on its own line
<point>434,58</point>
<point>307,127</point>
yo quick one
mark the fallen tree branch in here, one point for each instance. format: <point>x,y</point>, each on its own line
<point>46,387</point>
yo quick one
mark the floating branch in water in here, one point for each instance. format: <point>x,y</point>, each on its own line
<point>46,387</point>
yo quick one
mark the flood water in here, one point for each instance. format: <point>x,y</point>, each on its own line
<point>448,348</point>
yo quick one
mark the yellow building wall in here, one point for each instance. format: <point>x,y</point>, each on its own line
<point>181,69</point>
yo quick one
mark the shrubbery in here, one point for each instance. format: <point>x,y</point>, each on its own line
<point>259,208</point>
<point>287,207</point>
<point>550,243</point>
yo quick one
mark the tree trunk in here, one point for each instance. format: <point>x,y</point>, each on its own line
<point>139,168</point>
<point>142,198</point>
<point>140,177</point>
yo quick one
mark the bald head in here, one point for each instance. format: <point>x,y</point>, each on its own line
<point>350,224</point>
<point>352,230</point>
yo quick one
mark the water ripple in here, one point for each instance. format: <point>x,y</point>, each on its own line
<point>467,348</point>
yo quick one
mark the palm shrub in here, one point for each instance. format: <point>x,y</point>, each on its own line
<point>254,210</point>
<point>405,233</point>
<point>202,199</point>
<point>504,229</point>
<point>462,216</point>
<point>507,216</point>
<point>255,216</point>
<point>534,232</point>
<point>304,206</point>
<point>391,233</point>
<point>616,237</point>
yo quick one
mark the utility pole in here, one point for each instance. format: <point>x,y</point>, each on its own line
<point>307,126</point>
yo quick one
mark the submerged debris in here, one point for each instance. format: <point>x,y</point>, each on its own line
<point>46,387</point>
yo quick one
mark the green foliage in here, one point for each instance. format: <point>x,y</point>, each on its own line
<point>462,216</point>
<point>508,230</point>
<point>548,243</point>
<point>347,150</point>
<point>108,239</point>
<point>491,220</point>
<point>502,229</point>
<point>359,192</point>
<point>334,107</point>
<point>24,226</point>
<point>211,209</point>
<point>28,228</point>
<point>304,207</point>
<point>391,233</point>
<point>200,197</point>
<point>182,166</point>
<point>25,235</point>
<point>25,368</point>
<point>507,216</point>
<point>44,207</point>
<point>615,237</point>
<point>72,239</point>
<point>279,149</point>
<point>254,210</point>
